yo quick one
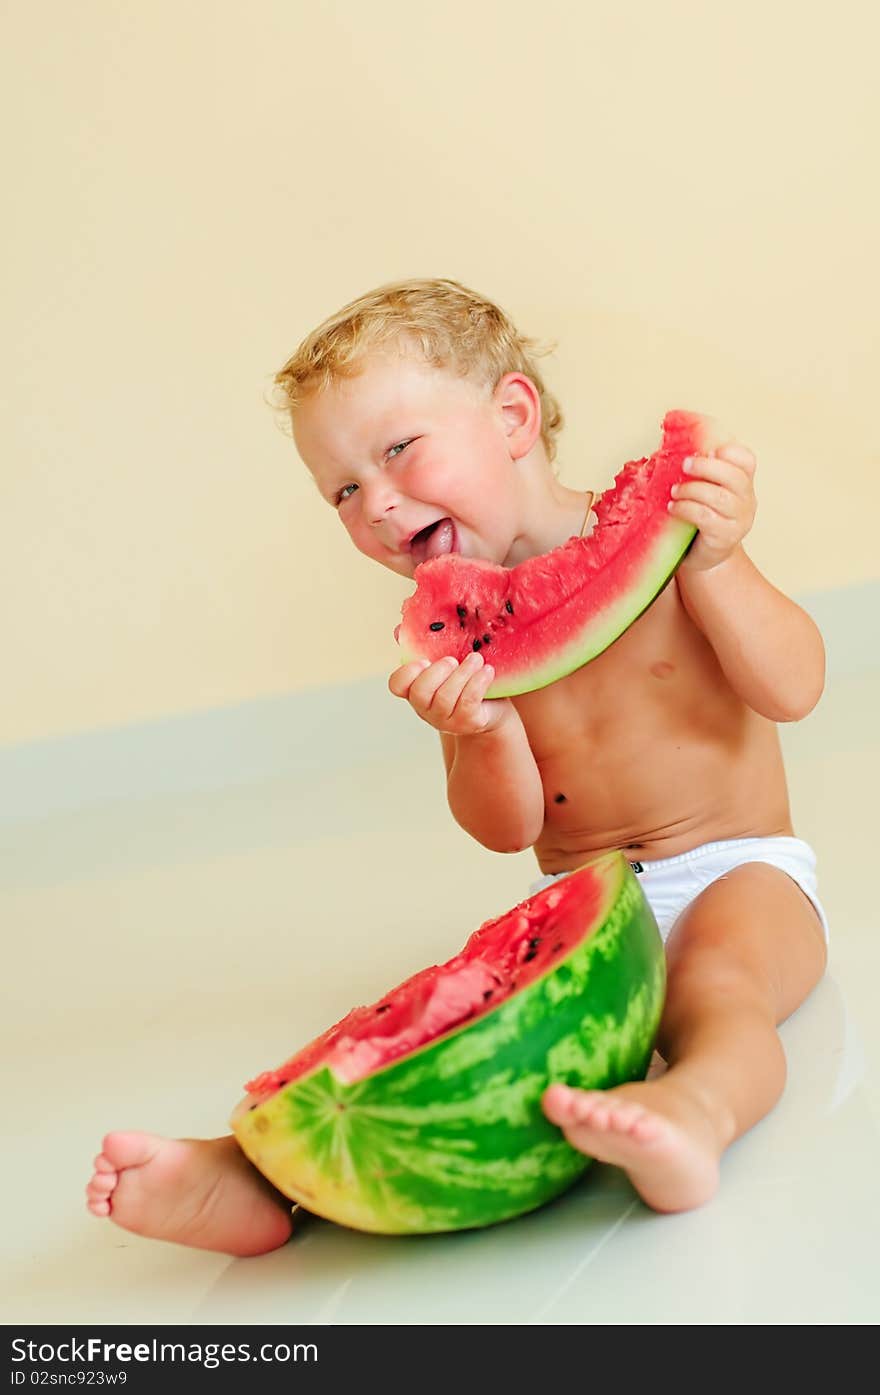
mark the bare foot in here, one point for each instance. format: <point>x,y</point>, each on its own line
<point>656,1132</point>
<point>195,1191</point>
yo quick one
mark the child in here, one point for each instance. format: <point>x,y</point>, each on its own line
<point>426,425</point>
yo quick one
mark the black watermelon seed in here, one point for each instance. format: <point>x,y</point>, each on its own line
<point>462,611</point>
<point>487,639</point>
<point>437,625</point>
<point>477,646</point>
<point>531,955</point>
<point>534,942</point>
<point>383,1007</point>
<point>508,607</point>
<point>560,799</point>
<point>487,995</point>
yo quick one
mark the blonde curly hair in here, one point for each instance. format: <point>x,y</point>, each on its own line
<point>451,326</point>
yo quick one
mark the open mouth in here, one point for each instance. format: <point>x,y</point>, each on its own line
<point>434,541</point>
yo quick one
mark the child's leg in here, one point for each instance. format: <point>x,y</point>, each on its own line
<point>741,958</point>
<point>195,1191</point>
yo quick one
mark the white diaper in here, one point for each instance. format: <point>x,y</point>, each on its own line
<point>672,883</point>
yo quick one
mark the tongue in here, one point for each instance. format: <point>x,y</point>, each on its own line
<point>442,540</point>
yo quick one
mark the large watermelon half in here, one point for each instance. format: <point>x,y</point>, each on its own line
<point>547,616</point>
<point>422,1112</point>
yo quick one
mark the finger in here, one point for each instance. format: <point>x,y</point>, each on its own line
<point>447,697</point>
<point>711,524</point>
<point>471,707</point>
<point>714,496</point>
<point>714,467</point>
<point>739,455</point>
<point>723,474</point>
<point>428,680</point>
<point>402,678</point>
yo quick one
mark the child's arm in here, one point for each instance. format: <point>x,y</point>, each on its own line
<point>493,783</point>
<point>494,786</point>
<point>770,649</point>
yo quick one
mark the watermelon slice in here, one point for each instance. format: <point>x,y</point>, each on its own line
<point>422,1112</point>
<point>546,617</point>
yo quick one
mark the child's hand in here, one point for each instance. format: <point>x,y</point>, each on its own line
<point>719,498</point>
<point>449,695</point>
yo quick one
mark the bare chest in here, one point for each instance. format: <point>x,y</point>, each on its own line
<point>661,672</point>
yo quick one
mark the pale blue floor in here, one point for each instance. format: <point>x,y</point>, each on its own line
<point>164,950</point>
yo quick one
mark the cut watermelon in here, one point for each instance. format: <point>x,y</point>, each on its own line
<point>422,1112</point>
<point>546,617</point>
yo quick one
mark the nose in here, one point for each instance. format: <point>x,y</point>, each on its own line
<point>380,501</point>
<point>380,518</point>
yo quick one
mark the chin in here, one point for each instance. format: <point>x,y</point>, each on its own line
<point>402,566</point>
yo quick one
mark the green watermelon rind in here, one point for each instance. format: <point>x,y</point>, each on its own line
<point>656,565</point>
<point>453,1135</point>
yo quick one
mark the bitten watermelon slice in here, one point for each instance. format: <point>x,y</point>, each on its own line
<point>546,617</point>
<point>422,1112</point>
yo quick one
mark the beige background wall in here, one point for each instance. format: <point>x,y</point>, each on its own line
<point>682,195</point>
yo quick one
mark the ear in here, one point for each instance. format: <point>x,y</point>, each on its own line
<point>519,403</point>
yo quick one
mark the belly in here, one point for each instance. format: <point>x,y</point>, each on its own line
<point>658,799</point>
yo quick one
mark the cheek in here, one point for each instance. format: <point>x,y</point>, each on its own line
<point>427,479</point>
<point>363,537</point>
<point>366,542</point>
<point>452,484</point>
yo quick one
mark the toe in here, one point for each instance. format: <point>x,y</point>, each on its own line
<point>580,1109</point>
<point>625,1116</point>
<point>130,1149</point>
<point>102,1184</point>
<point>558,1102</point>
<point>99,1208</point>
<point>103,1164</point>
<point>590,1108</point>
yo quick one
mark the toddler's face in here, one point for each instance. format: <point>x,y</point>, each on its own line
<point>414,459</point>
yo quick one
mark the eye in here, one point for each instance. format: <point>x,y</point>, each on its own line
<point>342,494</point>
<point>401,445</point>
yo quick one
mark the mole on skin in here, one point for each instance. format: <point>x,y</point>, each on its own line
<point>661,669</point>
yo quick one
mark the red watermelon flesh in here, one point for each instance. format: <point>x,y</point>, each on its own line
<point>541,620</point>
<point>504,956</point>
